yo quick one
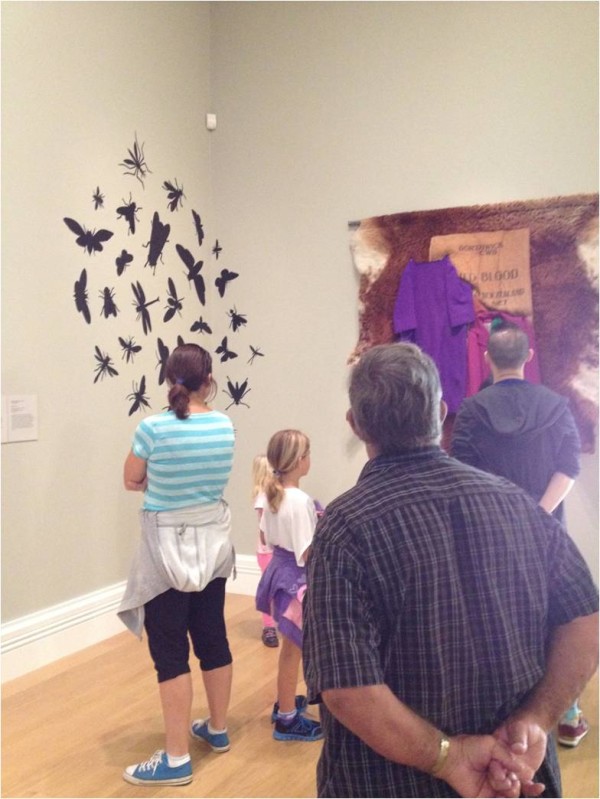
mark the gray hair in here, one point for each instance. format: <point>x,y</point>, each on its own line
<point>395,395</point>
<point>508,346</point>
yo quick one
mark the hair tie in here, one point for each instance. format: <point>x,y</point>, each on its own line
<point>180,381</point>
<point>277,472</point>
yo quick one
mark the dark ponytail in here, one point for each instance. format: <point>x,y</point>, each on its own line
<point>188,368</point>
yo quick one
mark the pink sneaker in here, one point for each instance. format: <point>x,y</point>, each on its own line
<point>569,734</point>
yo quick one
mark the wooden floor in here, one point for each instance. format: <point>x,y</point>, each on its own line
<point>69,728</point>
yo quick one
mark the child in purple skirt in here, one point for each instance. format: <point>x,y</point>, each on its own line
<point>288,523</point>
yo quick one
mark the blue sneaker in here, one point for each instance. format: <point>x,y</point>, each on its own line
<point>218,742</point>
<point>301,729</point>
<point>157,771</point>
<point>301,704</point>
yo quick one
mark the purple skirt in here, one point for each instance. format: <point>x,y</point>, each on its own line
<point>280,592</point>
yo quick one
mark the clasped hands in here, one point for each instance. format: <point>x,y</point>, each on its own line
<point>498,765</point>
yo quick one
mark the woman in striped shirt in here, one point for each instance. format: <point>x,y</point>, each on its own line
<point>181,459</point>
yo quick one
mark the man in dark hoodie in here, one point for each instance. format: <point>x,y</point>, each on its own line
<point>526,433</point>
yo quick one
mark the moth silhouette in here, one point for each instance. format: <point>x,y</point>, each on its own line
<point>158,238</point>
<point>128,211</point>
<point>217,249</point>
<point>175,194</point>
<point>255,352</point>
<point>81,296</point>
<point>225,277</point>
<point>139,397</point>
<point>141,306</point>
<point>90,240</point>
<point>163,357</point>
<point>136,165</point>
<point>237,391</point>
<point>198,226</point>
<point>193,272</point>
<point>130,348</point>
<point>122,261</point>
<point>174,303</point>
<point>237,319</point>
<point>104,366</point>
<point>98,199</point>
<point>201,327</point>
<point>225,353</point>
<point>109,307</point>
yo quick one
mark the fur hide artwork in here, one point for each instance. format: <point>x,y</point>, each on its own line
<point>563,234</point>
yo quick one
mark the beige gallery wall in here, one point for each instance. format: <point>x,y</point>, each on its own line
<point>326,113</point>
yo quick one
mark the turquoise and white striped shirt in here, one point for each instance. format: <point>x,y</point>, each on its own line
<point>189,460</point>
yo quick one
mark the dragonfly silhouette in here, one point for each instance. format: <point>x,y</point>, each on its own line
<point>141,306</point>
<point>174,303</point>
<point>129,347</point>
<point>139,396</point>
<point>193,272</point>
<point>104,366</point>
<point>255,352</point>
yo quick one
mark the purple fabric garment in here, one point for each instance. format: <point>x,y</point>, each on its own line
<point>433,308</point>
<point>279,584</point>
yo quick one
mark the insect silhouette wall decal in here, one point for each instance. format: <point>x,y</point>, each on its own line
<point>237,320</point>
<point>136,165</point>
<point>158,238</point>
<point>141,306</point>
<point>255,353</point>
<point>193,272</point>
<point>81,296</point>
<point>104,365</point>
<point>128,212</point>
<point>198,226</point>
<point>237,391</point>
<point>163,357</point>
<point>122,261</point>
<point>90,240</point>
<point>98,199</point>
<point>175,194</point>
<point>217,249</point>
<point>224,278</point>
<point>139,397</point>
<point>174,303</point>
<point>225,353</point>
<point>130,348</point>
<point>109,308</point>
<point>201,327</point>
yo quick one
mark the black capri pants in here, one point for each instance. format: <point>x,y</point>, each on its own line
<point>169,618</point>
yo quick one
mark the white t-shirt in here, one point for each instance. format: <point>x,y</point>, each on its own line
<point>293,526</point>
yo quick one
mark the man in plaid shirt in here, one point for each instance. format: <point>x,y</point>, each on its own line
<point>448,620</point>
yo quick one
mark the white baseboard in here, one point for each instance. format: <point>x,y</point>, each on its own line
<point>33,641</point>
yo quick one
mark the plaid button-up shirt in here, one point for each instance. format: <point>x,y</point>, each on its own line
<point>444,583</point>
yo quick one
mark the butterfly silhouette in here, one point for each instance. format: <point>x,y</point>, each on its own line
<point>158,238</point>
<point>163,357</point>
<point>225,353</point>
<point>193,272</point>
<point>141,306</point>
<point>225,277</point>
<point>129,347</point>
<point>104,366</point>
<point>90,240</point>
<point>174,194</point>
<point>122,261</point>
<point>198,226</point>
<point>201,327</point>
<point>174,303</point>
<point>81,296</point>
<point>138,396</point>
